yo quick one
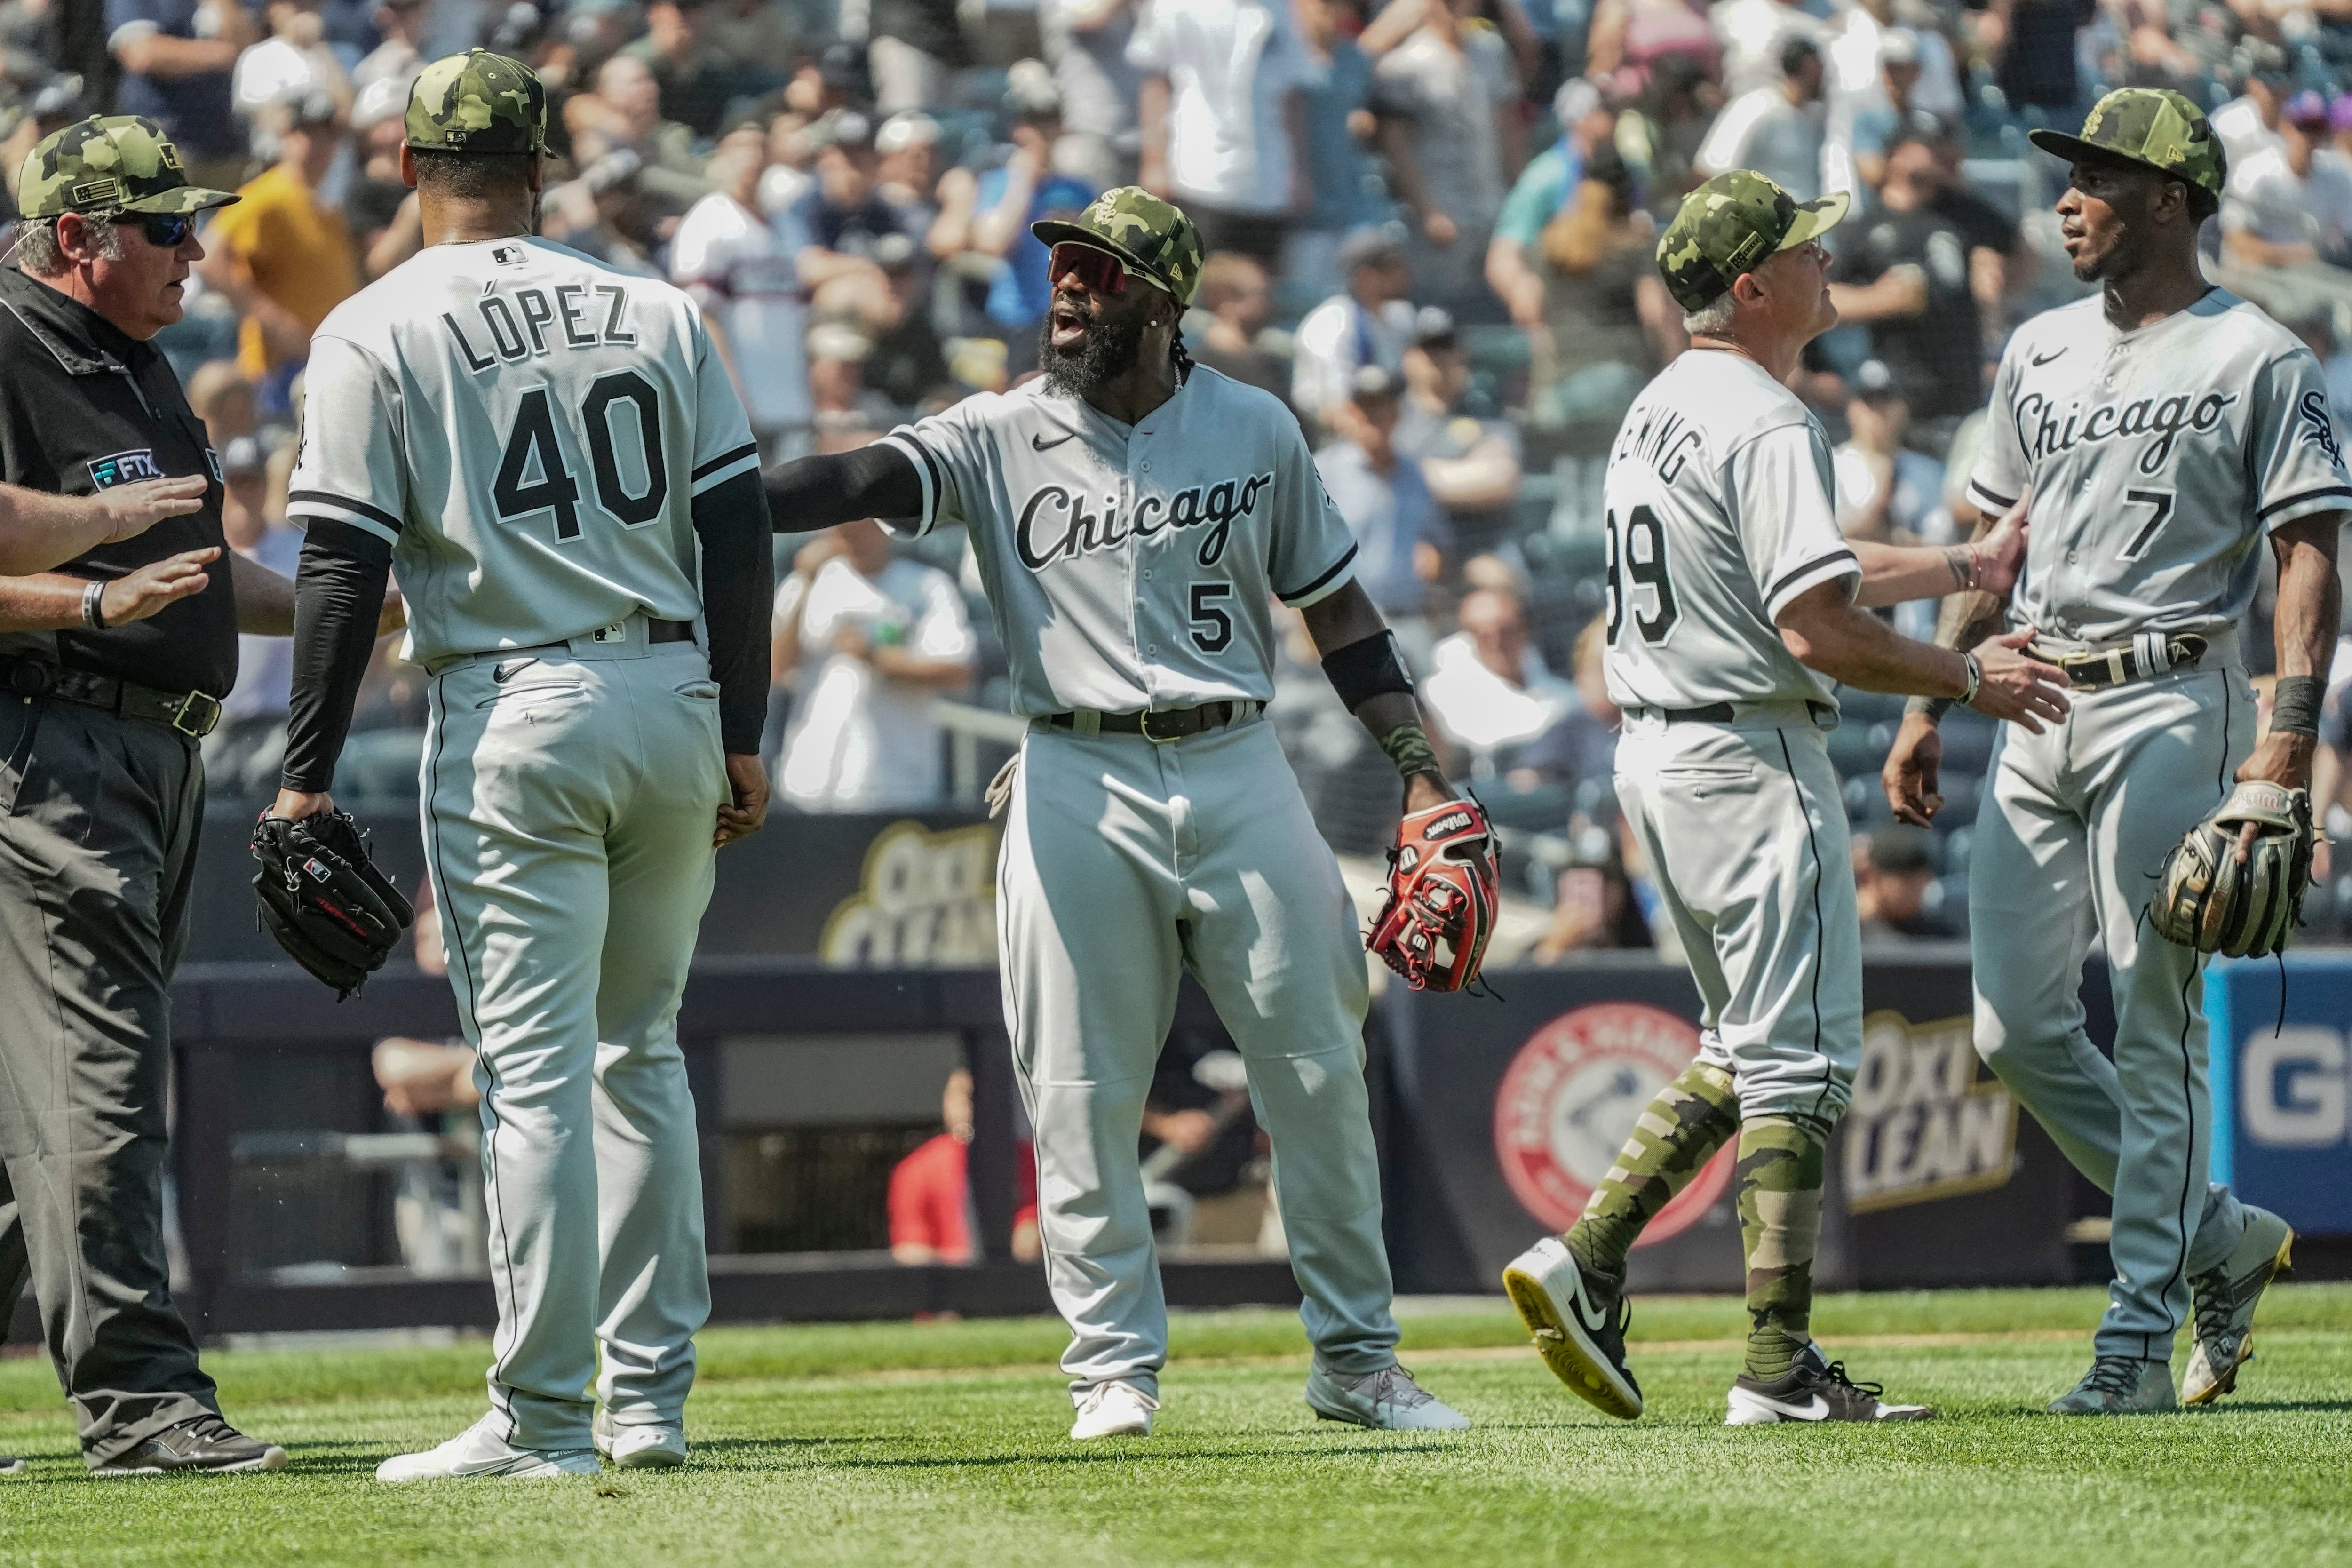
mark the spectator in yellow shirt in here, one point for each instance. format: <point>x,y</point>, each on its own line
<point>279,255</point>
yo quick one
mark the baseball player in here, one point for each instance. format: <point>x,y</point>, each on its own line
<point>551,452</point>
<point>1132,516</point>
<point>2163,429</point>
<point>1731,595</point>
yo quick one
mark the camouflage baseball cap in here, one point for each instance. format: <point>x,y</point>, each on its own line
<point>1150,236</point>
<point>2149,125</point>
<point>1728,226</point>
<point>478,103</point>
<point>109,163</point>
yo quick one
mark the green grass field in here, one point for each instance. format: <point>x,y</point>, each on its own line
<point>942,1443</point>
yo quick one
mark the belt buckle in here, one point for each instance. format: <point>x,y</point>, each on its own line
<point>1144,724</point>
<point>196,702</point>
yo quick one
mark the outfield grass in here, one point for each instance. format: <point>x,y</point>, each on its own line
<point>942,1443</point>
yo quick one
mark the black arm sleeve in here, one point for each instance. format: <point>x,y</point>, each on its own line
<point>337,595</point>
<point>878,480</point>
<point>739,586</point>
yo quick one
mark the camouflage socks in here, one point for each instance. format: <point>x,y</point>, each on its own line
<point>1678,1133</point>
<point>1780,1226</point>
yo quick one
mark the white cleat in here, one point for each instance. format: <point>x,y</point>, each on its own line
<point>2225,1298</point>
<point>479,1453</point>
<point>1113,1410</point>
<point>649,1446</point>
<point>1387,1400</point>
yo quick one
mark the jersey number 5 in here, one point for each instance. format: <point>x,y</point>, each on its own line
<point>1213,629</point>
<point>533,440</point>
<point>1637,553</point>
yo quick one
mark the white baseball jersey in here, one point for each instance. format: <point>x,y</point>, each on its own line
<point>2156,458</point>
<point>1720,510</point>
<point>527,427</point>
<point>1129,566</point>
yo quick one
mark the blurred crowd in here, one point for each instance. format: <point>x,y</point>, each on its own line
<point>1430,226</point>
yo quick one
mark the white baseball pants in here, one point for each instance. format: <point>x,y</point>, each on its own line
<point>2068,840</point>
<point>569,800</point>
<point>1125,862</point>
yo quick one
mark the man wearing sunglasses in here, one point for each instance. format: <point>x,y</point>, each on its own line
<point>1133,517</point>
<point>112,670</point>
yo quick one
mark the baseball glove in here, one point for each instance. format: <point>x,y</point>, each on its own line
<point>323,899</point>
<point>2218,894</point>
<point>1445,887</point>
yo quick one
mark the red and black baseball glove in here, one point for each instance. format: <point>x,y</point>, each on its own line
<point>1445,889</point>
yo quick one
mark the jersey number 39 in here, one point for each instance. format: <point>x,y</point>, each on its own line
<point>1637,562</point>
<point>532,444</point>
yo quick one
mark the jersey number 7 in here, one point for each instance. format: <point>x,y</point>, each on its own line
<point>533,440</point>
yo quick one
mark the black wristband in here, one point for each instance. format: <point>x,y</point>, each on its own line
<point>2294,704</point>
<point>1367,668</point>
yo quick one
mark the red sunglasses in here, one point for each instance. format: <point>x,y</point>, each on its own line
<point>1091,269</point>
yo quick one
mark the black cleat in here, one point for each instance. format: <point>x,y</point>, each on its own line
<point>1577,1320</point>
<point>1815,1389</point>
<point>206,1444</point>
<point>10,1465</point>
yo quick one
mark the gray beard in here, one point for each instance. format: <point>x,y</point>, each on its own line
<point>1105,356</point>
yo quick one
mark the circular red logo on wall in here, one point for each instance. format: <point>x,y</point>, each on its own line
<point>1573,1093</point>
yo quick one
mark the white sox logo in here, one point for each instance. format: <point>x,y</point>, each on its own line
<point>2044,429</point>
<point>2322,434</point>
<point>1057,525</point>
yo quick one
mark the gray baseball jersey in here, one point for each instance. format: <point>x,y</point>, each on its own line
<point>2156,458</point>
<point>1128,567</point>
<point>1721,509</point>
<point>527,427</point>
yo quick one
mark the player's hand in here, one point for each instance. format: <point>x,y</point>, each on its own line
<point>294,804</point>
<point>393,618</point>
<point>2000,554</point>
<point>135,595</point>
<point>131,509</point>
<point>1909,776</point>
<point>2017,686</point>
<point>2281,758</point>
<point>748,812</point>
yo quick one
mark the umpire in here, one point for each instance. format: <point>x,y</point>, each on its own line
<point>111,669</point>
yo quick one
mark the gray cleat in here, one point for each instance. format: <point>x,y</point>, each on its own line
<point>2226,1296</point>
<point>1387,1400</point>
<point>2120,1385</point>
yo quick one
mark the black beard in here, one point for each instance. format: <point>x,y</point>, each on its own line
<point>1108,352</point>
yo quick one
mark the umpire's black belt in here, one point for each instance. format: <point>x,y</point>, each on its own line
<point>2146,654</point>
<point>192,713</point>
<point>1159,724</point>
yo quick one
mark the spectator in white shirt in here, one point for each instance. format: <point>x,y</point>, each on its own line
<point>399,23</point>
<point>1775,131</point>
<point>1448,101</point>
<point>1886,491</point>
<point>2291,201</point>
<point>868,641</point>
<point>1371,324</point>
<point>1222,124</point>
<point>1753,33</point>
<point>742,274</point>
<point>1491,692</point>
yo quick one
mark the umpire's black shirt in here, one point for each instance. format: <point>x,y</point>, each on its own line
<point>84,407</point>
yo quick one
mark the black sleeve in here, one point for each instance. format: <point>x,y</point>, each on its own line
<point>738,586</point>
<point>338,594</point>
<point>878,480</point>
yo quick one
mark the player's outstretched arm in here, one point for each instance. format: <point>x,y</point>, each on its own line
<point>2310,597</point>
<point>1965,620</point>
<point>739,584</point>
<point>1359,656</point>
<point>39,530</point>
<point>836,488</point>
<point>1987,565</point>
<point>338,596</point>
<point>1998,679</point>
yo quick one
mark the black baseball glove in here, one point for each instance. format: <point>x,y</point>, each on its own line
<point>323,899</point>
<point>2221,890</point>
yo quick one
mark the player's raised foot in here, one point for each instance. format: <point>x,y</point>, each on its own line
<point>639,1446</point>
<point>2120,1385</point>
<point>203,1445</point>
<point>1113,1410</point>
<point>1815,1389</point>
<point>479,1453</point>
<point>2226,1296</point>
<point>1577,1319</point>
<point>1388,1400</point>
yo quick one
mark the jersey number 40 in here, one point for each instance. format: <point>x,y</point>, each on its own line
<point>1637,557</point>
<point>532,444</point>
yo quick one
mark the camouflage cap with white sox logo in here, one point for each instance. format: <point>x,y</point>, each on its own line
<point>106,164</point>
<point>478,103</point>
<point>2149,125</point>
<point>1152,237</point>
<point>1732,225</point>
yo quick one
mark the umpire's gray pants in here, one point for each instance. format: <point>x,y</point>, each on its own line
<point>2068,840</point>
<point>98,818</point>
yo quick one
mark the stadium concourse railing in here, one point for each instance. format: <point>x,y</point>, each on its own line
<point>223,1012</point>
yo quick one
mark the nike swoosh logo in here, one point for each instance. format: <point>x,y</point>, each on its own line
<point>506,673</point>
<point>1817,1410</point>
<point>2045,358</point>
<point>1041,444</point>
<point>1581,1305</point>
